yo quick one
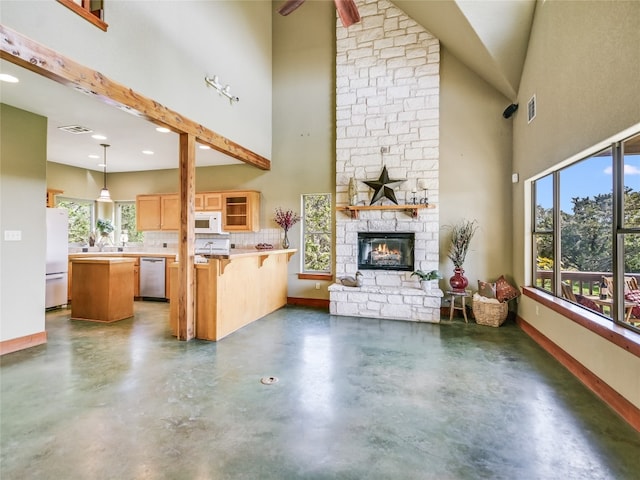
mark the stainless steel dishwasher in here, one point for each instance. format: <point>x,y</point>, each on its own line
<point>152,281</point>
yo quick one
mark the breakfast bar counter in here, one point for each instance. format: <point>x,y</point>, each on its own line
<point>233,290</point>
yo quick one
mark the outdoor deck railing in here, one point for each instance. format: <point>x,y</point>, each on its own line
<point>587,283</point>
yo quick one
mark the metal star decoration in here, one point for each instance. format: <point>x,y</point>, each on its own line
<point>381,188</point>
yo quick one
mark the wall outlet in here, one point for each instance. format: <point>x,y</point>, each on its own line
<point>317,285</point>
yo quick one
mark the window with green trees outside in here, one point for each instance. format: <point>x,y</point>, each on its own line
<point>316,232</point>
<point>81,218</point>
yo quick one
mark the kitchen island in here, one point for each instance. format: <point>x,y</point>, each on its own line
<point>233,290</point>
<point>102,288</point>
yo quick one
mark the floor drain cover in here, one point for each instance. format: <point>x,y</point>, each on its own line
<point>269,380</point>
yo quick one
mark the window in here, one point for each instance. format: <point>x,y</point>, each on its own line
<point>543,233</point>
<point>81,218</point>
<point>316,233</point>
<point>126,223</point>
<point>587,214</point>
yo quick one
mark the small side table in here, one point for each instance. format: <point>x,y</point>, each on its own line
<point>462,295</point>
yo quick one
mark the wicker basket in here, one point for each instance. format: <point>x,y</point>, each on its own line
<point>491,314</point>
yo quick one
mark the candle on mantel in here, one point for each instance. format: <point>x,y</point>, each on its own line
<point>422,183</point>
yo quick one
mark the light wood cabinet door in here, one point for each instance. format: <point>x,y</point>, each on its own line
<point>69,276</point>
<point>212,202</point>
<point>136,278</point>
<point>241,211</point>
<point>148,212</point>
<point>199,202</point>
<point>170,212</point>
<point>208,202</point>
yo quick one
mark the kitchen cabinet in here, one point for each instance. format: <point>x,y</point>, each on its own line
<point>147,212</point>
<point>102,289</point>
<point>69,276</point>
<point>167,276</point>
<point>157,212</point>
<point>234,290</point>
<point>51,196</point>
<point>136,278</point>
<point>170,212</point>
<point>241,211</point>
<point>208,202</point>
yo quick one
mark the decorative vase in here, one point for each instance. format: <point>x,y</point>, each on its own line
<point>353,192</point>
<point>285,240</point>
<point>458,281</point>
<point>105,240</point>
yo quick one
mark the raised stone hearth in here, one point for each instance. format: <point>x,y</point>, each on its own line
<point>387,115</point>
<point>401,303</point>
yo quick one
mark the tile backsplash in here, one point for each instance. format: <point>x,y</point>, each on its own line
<point>169,240</point>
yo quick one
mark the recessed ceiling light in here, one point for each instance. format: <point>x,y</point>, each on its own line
<point>102,165</point>
<point>5,77</point>
<point>98,137</point>
<point>162,129</point>
<point>94,156</point>
<point>204,147</point>
<point>147,152</point>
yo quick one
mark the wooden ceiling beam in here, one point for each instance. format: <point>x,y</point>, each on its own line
<point>22,51</point>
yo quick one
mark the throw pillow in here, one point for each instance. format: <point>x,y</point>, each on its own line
<point>634,296</point>
<point>486,289</point>
<point>504,291</point>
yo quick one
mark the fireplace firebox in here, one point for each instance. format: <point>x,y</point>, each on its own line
<point>385,251</point>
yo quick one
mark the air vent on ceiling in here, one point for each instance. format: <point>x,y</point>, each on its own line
<point>531,109</point>
<point>76,129</point>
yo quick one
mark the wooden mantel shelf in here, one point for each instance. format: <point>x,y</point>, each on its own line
<point>411,210</point>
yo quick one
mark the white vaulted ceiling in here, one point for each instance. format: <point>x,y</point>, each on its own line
<point>490,37</point>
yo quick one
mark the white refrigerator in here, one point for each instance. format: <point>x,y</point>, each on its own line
<point>57,257</point>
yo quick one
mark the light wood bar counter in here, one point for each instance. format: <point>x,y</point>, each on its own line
<point>102,288</point>
<point>234,290</point>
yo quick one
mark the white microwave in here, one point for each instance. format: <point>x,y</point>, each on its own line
<point>208,222</point>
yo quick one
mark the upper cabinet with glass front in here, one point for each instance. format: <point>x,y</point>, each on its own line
<point>241,211</point>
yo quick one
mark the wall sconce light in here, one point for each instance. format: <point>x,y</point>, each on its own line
<point>226,90</point>
<point>104,193</point>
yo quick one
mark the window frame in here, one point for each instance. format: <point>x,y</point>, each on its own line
<point>618,227</point>
<point>118,220</point>
<point>83,201</point>
<point>315,274</point>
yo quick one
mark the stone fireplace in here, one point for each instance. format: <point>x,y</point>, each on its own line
<point>387,115</point>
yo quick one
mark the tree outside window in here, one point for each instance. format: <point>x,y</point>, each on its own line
<point>316,231</point>
<point>81,218</point>
<point>126,223</point>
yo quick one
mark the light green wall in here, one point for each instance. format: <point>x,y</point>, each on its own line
<point>583,66</point>
<point>23,149</point>
<point>475,171</point>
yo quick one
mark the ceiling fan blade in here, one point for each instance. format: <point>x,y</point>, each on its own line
<point>347,11</point>
<point>289,6</point>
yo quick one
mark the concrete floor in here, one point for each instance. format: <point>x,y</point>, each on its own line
<point>356,399</point>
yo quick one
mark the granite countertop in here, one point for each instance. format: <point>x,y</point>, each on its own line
<point>120,254</point>
<point>103,259</point>
<point>249,252</point>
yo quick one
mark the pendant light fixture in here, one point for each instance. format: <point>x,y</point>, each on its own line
<point>104,193</point>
